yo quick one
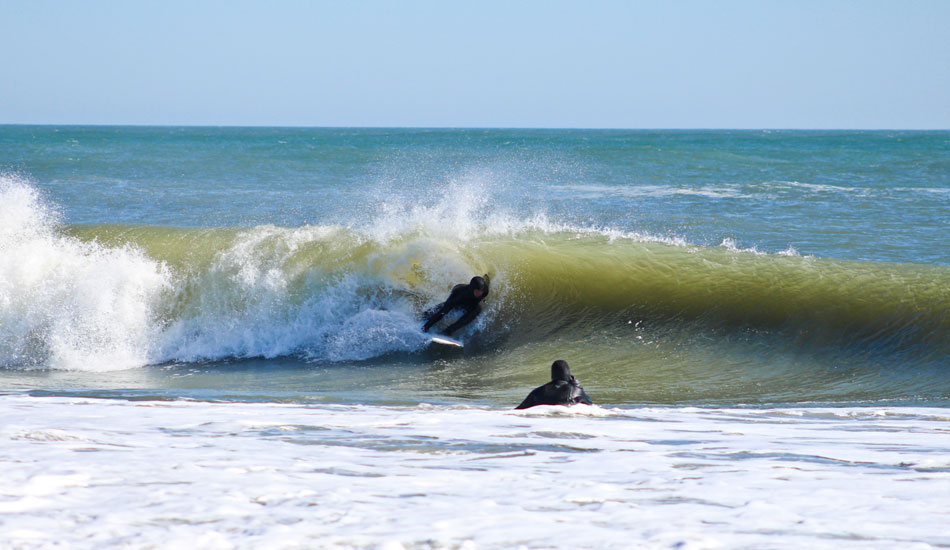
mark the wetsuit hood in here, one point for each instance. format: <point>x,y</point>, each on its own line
<point>560,370</point>
<point>479,283</point>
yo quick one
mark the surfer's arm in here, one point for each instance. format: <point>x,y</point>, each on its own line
<point>463,320</point>
<point>531,400</point>
<point>434,316</point>
<point>580,396</point>
<point>583,398</point>
<point>443,308</point>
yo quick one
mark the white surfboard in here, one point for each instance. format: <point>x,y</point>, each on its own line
<point>444,341</point>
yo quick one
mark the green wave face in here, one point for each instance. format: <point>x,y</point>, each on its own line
<point>546,281</point>
<point>835,301</point>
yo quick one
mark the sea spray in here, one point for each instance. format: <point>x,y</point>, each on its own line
<point>70,304</point>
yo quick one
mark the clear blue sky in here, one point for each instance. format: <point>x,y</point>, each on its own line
<point>585,64</point>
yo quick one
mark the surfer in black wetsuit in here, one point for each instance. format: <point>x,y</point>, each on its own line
<point>563,389</point>
<point>466,297</point>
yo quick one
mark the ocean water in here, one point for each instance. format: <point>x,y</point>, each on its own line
<point>212,335</point>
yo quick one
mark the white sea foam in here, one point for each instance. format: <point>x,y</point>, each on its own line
<point>730,244</point>
<point>232,475</point>
<point>68,304</point>
<point>254,301</point>
<point>790,251</point>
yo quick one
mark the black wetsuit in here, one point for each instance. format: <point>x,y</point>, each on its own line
<point>563,389</point>
<point>461,297</point>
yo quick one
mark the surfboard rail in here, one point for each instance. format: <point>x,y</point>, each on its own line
<point>444,341</point>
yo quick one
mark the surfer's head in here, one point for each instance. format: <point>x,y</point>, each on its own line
<point>479,287</point>
<point>560,370</point>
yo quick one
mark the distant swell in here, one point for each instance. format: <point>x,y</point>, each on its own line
<point>113,297</point>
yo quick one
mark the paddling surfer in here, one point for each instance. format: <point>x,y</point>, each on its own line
<point>563,389</point>
<point>465,297</point>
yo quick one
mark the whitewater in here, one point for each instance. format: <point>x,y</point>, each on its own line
<point>290,476</point>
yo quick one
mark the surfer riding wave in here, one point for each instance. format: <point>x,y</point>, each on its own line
<point>466,297</point>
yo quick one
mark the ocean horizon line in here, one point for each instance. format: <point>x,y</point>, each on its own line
<point>454,128</point>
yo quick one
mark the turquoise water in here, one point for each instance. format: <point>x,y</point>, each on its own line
<point>291,264</point>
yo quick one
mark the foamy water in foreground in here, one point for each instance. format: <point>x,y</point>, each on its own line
<point>86,473</point>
